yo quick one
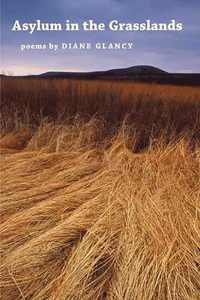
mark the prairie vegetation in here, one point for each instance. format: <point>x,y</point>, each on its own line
<point>100,190</point>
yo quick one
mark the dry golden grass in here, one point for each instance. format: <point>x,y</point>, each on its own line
<point>149,108</point>
<point>85,215</point>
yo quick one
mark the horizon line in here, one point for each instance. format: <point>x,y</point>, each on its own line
<point>12,73</point>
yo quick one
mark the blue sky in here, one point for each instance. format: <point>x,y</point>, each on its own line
<point>171,51</point>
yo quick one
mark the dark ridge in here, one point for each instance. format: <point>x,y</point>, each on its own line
<point>135,70</point>
<point>141,73</point>
<point>139,70</point>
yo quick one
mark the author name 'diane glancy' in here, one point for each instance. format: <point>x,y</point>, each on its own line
<point>79,46</point>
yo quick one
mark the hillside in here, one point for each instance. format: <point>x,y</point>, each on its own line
<point>99,190</point>
<point>141,73</point>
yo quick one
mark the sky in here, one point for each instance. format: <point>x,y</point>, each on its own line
<point>171,51</point>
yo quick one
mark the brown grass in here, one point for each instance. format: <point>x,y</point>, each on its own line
<point>85,215</point>
<point>150,109</point>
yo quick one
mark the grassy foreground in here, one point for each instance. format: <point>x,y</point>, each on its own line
<point>89,210</point>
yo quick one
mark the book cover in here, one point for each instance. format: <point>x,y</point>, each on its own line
<point>100,150</point>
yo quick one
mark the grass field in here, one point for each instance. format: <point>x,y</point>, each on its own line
<point>100,190</point>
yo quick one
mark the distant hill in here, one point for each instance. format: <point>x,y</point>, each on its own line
<point>138,70</point>
<point>141,73</point>
<point>135,70</point>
